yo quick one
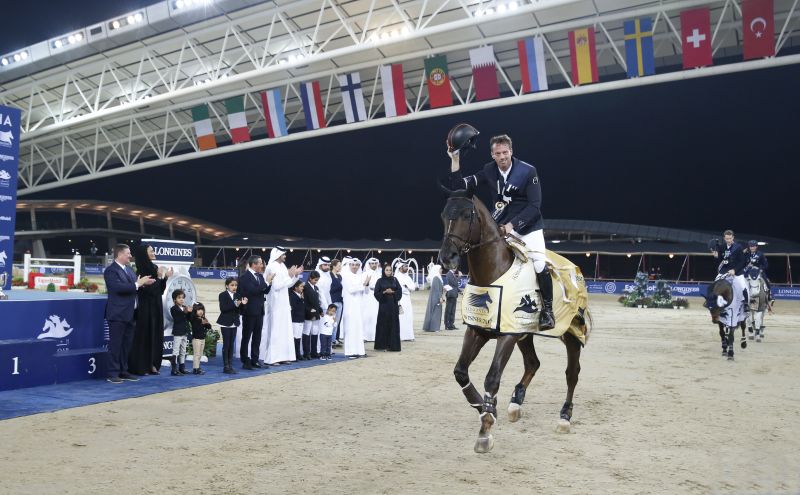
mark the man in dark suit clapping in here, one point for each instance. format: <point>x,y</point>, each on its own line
<point>121,285</point>
<point>254,287</point>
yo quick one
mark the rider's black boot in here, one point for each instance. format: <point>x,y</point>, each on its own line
<point>546,318</point>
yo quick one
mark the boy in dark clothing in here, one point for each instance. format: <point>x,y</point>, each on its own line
<point>180,331</point>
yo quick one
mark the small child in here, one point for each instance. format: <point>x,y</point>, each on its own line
<point>298,312</point>
<point>230,304</point>
<point>180,331</point>
<point>328,322</point>
<point>199,328</point>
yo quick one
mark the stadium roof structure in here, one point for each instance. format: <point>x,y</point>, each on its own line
<point>116,96</point>
<point>115,219</point>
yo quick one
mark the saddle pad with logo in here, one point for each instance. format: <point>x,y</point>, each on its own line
<point>511,304</point>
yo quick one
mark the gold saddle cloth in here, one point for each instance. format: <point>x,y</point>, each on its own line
<point>511,304</point>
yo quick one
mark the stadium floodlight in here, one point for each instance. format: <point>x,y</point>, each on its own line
<point>501,8</point>
<point>405,31</point>
<point>115,25</point>
<point>17,57</point>
<point>4,62</point>
<point>57,43</point>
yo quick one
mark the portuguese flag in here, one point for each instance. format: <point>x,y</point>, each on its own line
<point>439,93</point>
<point>237,119</point>
<point>203,128</point>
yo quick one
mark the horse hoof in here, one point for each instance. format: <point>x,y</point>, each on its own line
<point>758,339</point>
<point>730,358</point>
<point>563,426</point>
<point>514,412</point>
<point>744,344</point>
<point>484,444</point>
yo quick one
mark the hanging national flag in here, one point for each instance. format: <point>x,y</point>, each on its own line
<point>484,73</point>
<point>696,38</point>
<point>237,119</point>
<point>352,97</point>
<point>273,113</point>
<point>639,55</point>
<point>531,64</point>
<point>583,56</point>
<point>439,93</point>
<point>312,105</point>
<point>394,92</point>
<point>203,128</point>
<point>758,26</point>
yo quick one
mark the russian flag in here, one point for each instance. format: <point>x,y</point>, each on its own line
<point>394,93</point>
<point>531,64</point>
<point>273,113</point>
<point>312,105</point>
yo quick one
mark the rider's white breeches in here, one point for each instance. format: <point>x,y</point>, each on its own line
<point>534,244</point>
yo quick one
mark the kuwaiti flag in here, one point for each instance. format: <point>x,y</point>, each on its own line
<point>583,56</point>
<point>352,97</point>
<point>273,113</point>
<point>203,128</point>
<point>484,73</point>
<point>312,105</point>
<point>237,119</point>
<point>394,92</point>
<point>531,64</point>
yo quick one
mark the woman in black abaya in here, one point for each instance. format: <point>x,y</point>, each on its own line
<point>148,340</point>
<point>388,292</point>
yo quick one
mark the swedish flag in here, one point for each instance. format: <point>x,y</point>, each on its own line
<point>639,55</point>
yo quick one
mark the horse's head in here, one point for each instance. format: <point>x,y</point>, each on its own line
<point>718,297</point>
<point>462,227</point>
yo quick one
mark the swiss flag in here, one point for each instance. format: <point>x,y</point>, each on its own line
<point>696,38</point>
<point>758,26</point>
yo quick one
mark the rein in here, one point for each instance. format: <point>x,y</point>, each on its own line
<point>466,244</point>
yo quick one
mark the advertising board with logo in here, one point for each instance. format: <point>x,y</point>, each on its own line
<point>678,290</point>
<point>9,163</point>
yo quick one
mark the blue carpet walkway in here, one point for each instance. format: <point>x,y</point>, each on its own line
<point>49,398</point>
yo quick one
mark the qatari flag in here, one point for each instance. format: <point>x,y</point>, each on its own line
<point>484,73</point>
<point>758,26</point>
<point>696,36</point>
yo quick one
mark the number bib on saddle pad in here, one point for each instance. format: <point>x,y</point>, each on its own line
<point>511,304</point>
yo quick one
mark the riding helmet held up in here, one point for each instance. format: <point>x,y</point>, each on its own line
<point>461,138</point>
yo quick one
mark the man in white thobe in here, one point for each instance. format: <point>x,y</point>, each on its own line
<point>407,315</point>
<point>352,321</point>
<point>371,275</point>
<point>279,345</point>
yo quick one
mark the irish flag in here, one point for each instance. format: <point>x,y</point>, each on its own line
<point>237,119</point>
<point>202,128</point>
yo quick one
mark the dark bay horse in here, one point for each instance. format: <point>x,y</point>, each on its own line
<point>470,230</point>
<point>719,298</point>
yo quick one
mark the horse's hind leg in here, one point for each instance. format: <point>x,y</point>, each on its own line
<point>573,370</point>
<point>473,343</point>
<point>505,346</point>
<point>531,362</point>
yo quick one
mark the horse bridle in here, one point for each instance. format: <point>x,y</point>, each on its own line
<point>466,245</point>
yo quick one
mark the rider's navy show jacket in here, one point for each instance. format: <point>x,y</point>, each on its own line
<point>733,258</point>
<point>518,200</point>
<point>757,259</point>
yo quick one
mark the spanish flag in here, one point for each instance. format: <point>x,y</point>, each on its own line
<point>583,55</point>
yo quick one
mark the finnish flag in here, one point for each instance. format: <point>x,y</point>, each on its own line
<point>352,97</point>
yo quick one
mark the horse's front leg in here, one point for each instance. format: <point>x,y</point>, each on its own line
<point>730,335</point>
<point>724,338</point>
<point>743,340</point>
<point>505,346</point>
<point>572,372</point>
<point>472,345</point>
<point>531,362</point>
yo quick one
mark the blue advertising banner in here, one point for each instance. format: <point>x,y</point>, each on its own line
<point>70,323</point>
<point>9,168</point>
<point>168,251</point>
<point>679,290</point>
<point>213,273</point>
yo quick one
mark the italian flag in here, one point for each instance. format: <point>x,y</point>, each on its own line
<point>237,120</point>
<point>203,129</point>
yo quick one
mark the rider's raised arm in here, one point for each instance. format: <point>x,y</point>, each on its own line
<point>458,181</point>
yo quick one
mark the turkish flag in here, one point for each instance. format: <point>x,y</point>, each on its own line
<point>758,26</point>
<point>696,38</point>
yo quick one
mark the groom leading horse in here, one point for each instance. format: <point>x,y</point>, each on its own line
<point>517,207</point>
